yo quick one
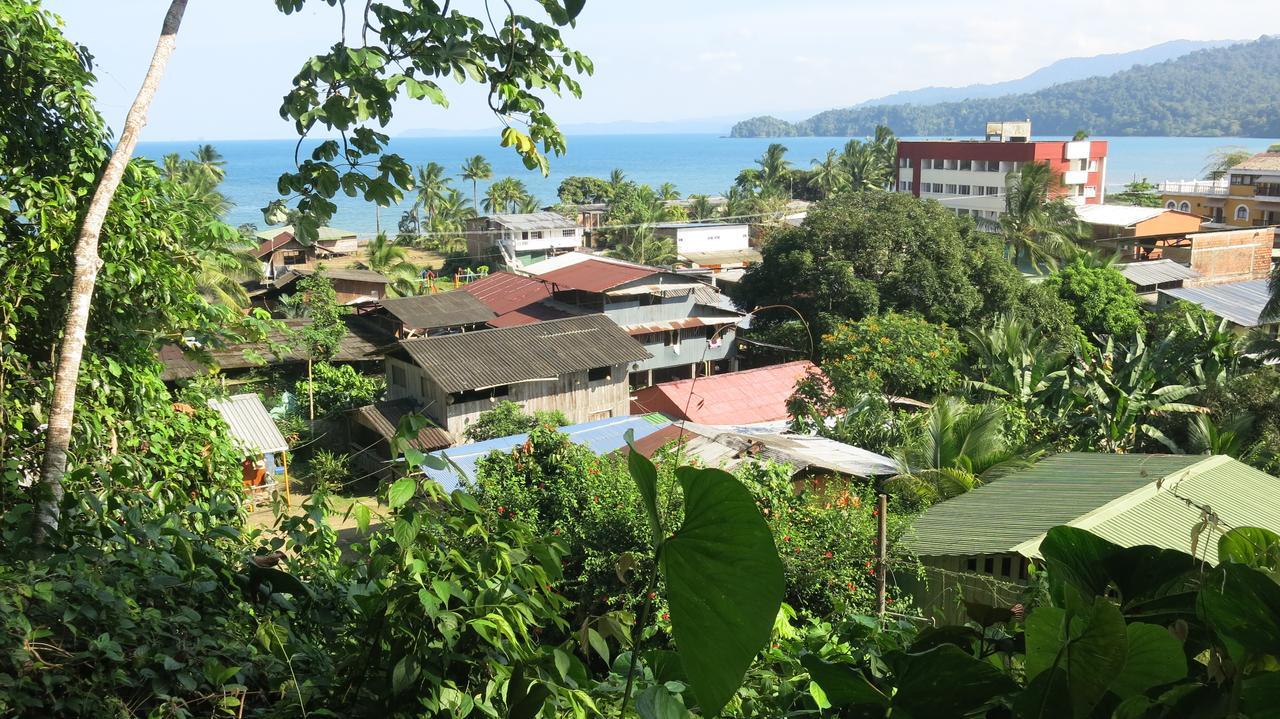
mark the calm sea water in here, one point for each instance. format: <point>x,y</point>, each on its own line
<point>695,163</point>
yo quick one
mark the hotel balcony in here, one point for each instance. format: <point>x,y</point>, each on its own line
<point>1075,177</point>
<point>1194,187</point>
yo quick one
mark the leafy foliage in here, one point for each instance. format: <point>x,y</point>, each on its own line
<point>892,354</point>
<point>340,387</point>
<point>1104,302</point>
<point>507,418</point>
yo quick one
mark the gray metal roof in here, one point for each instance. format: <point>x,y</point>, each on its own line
<point>1156,272</point>
<point>336,273</point>
<point>721,446</point>
<point>384,418</point>
<point>489,358</point>
<point>442,310</point>
<point>252,429</point>
<point>534,221</point>
<point>1239,302</point>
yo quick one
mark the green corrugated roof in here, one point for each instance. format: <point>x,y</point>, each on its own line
<point>998,516</point>
<point>1240,495</point>
<point>324,233</point>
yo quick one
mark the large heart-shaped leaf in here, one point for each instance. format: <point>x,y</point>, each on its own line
<point>1253,546</point>
<point>1243,605</point>
<point>1089,645</point>
<point>1079,558</point>
<point>1153,657</point>
<point>645,475</point>
<point>657,702</point>
<point>724,584</point>
<point>946,681</point>
<point>842,684</point>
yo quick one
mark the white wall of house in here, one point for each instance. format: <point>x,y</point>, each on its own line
<point>708,238</point>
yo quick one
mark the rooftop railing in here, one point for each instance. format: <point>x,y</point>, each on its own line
<point>1195,187</point>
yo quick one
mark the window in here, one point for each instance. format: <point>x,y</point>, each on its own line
<point>971,564</point>
<point>1242,212</point>
<point>535,235</point>
<point>1170,205</point>
<point>568,233</point>
<point>951,189</point>
<point>474,395</point>
<point>397,375</point>
<point>993,165</point>
<point>963,190</point>
<point>671,337</point>
<point>1006,567</point>
<point>949,164</point>
<point>1185,206</point>
<point>599,374</point>
<point>966,164</point>
<point>904,162</point>
<point>1243,179</point>
<point>993,190</point>
<point>989,565</point>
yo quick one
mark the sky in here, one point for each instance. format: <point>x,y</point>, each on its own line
<point>657,60</point>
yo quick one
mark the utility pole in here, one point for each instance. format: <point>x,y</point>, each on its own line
<point>882,552</point>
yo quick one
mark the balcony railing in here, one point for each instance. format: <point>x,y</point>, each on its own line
<point>1194,187</point>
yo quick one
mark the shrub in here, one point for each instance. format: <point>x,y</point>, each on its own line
<point>508,418</point>
<point>893,354</point>
<point>339,387</point>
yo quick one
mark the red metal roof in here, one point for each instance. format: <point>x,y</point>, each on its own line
<point>516,299</point>
<point>747,397</point>
<point>274,244</point>
<point>597,275</point>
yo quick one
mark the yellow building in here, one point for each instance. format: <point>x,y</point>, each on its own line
<point>1248,196</point>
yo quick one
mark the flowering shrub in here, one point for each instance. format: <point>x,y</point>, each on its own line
<point>892,353</point>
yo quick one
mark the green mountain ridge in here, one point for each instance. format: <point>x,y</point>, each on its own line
<point>1229,91</point>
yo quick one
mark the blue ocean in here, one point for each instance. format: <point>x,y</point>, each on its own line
<point>695,163</point>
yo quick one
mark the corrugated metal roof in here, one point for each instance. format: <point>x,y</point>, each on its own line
<point>337,273</point>
<point>384,418</point>
<point>533,221</point>
<point>679,324</point>
<point>1265,161</point>
<point>727,257</point>
<point>517,300</point>
<point>323,234</point>
<point>359,344</point>
<point>798,450</point>
<point>488,358</point>
<point>446,309</point>
<point>1155,272</point>
<point>1019,507</point>
<point>252,429</point>
<point>746,397</point>
<point>600,436</point>
<point>1238,494</point>
<point>593,275</point>
<point>1239,302</point>
<point>1117,215</point>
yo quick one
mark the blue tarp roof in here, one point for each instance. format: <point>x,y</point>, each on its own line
<point>600,436</point>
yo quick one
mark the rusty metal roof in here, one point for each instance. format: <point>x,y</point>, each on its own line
<point>596,275</point>
<point>517,300</point>
<point>446,309</point>
<point>384,418</point>
<point>489,358</point>
<point>746,397</point>
<point>679,324</point>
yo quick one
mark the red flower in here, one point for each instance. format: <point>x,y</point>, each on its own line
<point>786,537</point>
<point>653,595</point>
<point>828,555</point>
<point>501,510</point>
<point>666,617</point>
<point>875,513</point>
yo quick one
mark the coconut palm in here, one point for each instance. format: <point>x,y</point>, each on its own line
<point>645,248</point>
<point>431,184</point>
<point>861,166</point>
<point>505,195</point>
<point>775,169</point>
<point>1223,159</point>
<point>1035,229</point>
<point>617,178</point>
<point>827,175</point>
<point>474,169</point>
<point>885,148</point>
<point>222,268</point>
<point>959,447</point>
<point>1231,436</point>
<point>389,259</point>
<point>528,203</point>
<point>210,163</point>
<point>667,192</point>
<point>700,207</point>
<point>1262,347</point>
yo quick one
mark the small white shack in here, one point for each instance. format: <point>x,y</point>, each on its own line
<point>256,435</point>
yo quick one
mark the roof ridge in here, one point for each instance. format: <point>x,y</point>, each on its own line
<point>1129,500</point>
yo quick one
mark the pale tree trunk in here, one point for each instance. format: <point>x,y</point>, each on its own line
<point>67,371</point>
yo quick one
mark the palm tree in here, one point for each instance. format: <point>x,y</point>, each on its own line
<point>1223,159</point>
<point>885,147</point>
<point>389,259</point>
<point>505,195</point>
<point>861,166</point>
<point>774,166</point>
<point>1230,437</point>
<point>210,163</point>
<point>431,184</point>
<point>960,446</point>
<point>617,178</point>
<point>668,192</point>
<point>738,202</point>
<point>528,203</point>
<point>828,176</point>
<point>645,248</point>
<point>1263,347</point>
<point>223,267</point>
<point>700,207</point>
<point>1036,229</point>
<point>476,168</point>
<point>1271,312</point>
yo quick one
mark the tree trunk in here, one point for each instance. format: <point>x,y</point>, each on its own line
<point>311,393</point>
<point>67,370</point>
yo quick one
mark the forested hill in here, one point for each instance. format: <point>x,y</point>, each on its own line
<point>1230,91</point>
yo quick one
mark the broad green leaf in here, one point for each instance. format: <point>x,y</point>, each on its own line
<point>1045,697</point>
<point>1252,546</point>
<point>403,674</point>
<point>1079,558</point>
<point>401,491</point>
<point>1258,696</point>
<point>573,7</point>
<point>724,584</point>
<point>1243,605</point>
<point>1145,572</point>
<point>947,681</point>
<point>657,702</point>
<point>842,684</point>
<point>1090,646</point>
<point>361,512</point>
<point>1153,657</point>
<point>645,475</point>
<point>598,644</point>
<point>562,662</point>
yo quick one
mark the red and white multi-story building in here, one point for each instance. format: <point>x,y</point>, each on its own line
<point>969,175</point>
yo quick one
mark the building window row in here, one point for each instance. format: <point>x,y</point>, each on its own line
<point>970,165</point>
<point>940,188</point>
<point>904,185</point>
